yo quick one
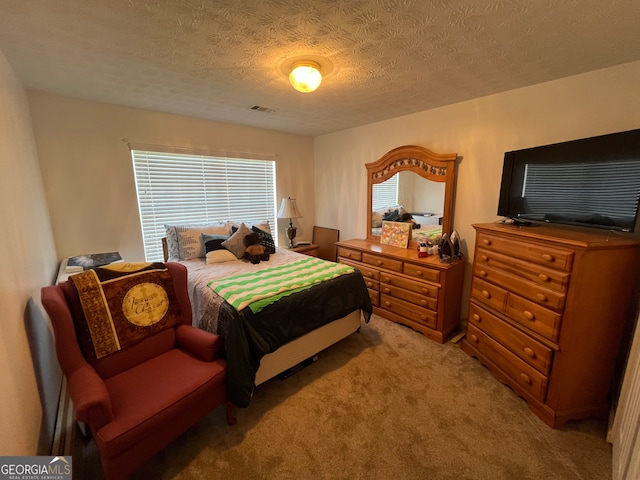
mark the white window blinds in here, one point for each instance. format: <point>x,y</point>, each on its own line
<point>175,188</point>
<point>385,194</point>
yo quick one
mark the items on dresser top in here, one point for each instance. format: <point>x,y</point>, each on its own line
<point>420,292</point>
<point>547,312</point>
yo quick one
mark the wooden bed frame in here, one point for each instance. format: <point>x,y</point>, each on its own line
<point>296,351</point>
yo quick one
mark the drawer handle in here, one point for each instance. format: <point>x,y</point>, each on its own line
<point>473,338</point>
<point>424,290</point>
<point>486,242</point>
<point>476,317</point>
<point>547,258</point>
<point>528,315</point>
<point>542,297</point>
<point>482,273</point>
<point>347,254</point>
<point>379,262</point>
<point>484,257</point>
<point>387,303</point>
<point>387,290</point>
<point>419,273</point>
<point>525,378</point>
<point>369,284</point>
<point>486,294</point>
<point>423,318</point>
<point>387,279</point>
<point>543,277</point>
<point>423,302</point>
<point>529,353</point>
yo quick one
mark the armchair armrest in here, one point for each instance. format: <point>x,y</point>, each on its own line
<point>204,345</point>
<point>90,397</point>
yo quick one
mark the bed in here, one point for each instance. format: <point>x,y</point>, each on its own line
<point>260,345</point>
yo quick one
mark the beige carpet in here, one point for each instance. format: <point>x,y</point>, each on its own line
<point>386,403</point>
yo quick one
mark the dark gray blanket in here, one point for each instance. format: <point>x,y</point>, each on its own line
<point>249,336</point>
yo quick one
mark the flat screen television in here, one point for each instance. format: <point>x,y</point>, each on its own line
<point>592,182</point>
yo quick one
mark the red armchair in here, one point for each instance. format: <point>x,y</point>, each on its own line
<point>139,399</point>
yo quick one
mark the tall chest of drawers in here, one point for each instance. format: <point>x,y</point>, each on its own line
<point>420,292</point>
<point>547,312</point>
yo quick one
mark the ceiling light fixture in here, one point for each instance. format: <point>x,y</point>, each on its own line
<point>305,76</point>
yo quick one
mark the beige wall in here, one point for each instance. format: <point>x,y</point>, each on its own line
<point>28,373</point>
<point>480,131</point>
<point>88,171</point>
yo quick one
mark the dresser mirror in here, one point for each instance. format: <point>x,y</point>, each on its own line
<point>424,182</point>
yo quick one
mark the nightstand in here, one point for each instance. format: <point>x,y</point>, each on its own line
<point>311,250</point>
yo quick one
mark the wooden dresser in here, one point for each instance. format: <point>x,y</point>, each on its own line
<point>547,312</point>
<point>420,292</point>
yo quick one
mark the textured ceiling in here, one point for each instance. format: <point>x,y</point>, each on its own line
<point>217,59</point>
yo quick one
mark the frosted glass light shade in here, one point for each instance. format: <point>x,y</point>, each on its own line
<point>305,76</point>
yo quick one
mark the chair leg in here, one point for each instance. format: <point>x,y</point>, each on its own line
<point>231,420</point>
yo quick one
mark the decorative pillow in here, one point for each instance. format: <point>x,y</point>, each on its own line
<point>235,243</point>
<point>213,242</point>
<point>220,256</point>
<point>266,240</point>
<point>189,239</point>
<point>261,224</point>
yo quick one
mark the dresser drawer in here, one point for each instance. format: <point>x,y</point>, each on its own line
<point>488,294</point>
<point>350,254</point>
<point>372,284</point>
<point>421,272</point>
<point>550,256</point>
<point>408,284</point>
<point>408,310</point>
<point>382,262</point>
<point>412,297</point>
<point>519,343</point>
<point>534,317</point>
<point>374,295</point>
<point>367,272</point>
<point>522,374</point>
<point>538,274</point>
<point>532,291</point>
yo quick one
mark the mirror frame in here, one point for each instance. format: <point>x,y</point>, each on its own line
<point>437,167</point>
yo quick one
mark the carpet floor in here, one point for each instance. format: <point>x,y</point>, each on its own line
<point>385,403</point>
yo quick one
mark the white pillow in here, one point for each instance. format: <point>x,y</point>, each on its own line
<point>184,242</point>
<point>220,256</point>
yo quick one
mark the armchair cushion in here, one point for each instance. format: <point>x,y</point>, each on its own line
<point>155,391</point>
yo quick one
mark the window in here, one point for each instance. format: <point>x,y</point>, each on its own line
<point>176,188</point>
<point>385,194</point>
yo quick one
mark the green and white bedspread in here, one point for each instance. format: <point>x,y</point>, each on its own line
<point>257,290</point>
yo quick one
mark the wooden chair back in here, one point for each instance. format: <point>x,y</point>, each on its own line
<point>326,239</point>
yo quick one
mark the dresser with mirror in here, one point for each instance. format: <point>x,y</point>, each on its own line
<point>423,293</point>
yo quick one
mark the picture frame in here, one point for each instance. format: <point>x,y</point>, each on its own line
<point>395,234</point>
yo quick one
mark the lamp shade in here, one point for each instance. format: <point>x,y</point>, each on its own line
<point>305,76</point>
<point>289,209</point>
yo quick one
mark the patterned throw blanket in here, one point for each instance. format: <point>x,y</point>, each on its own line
<point>259,289</point>
<point>124,303</point>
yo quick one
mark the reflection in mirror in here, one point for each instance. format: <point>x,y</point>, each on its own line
<point>422,198</point>
<point>420,192</point>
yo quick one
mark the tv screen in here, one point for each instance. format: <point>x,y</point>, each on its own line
<point>593,182</point>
